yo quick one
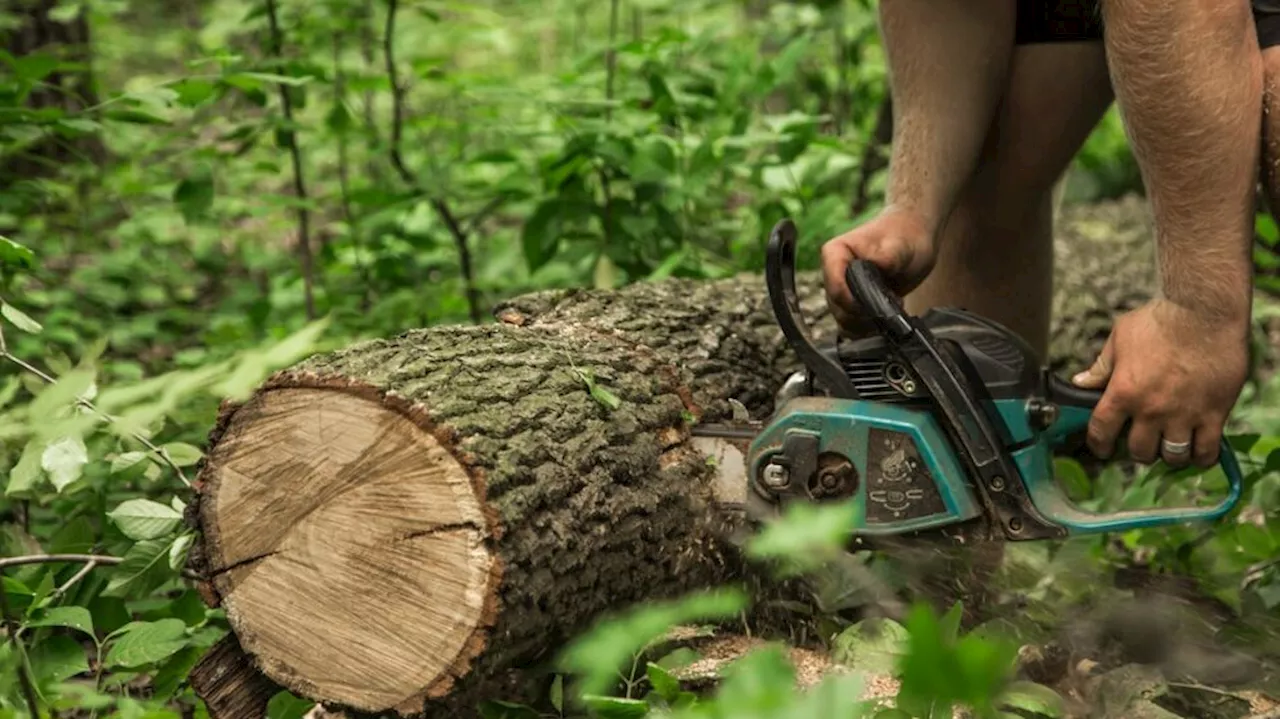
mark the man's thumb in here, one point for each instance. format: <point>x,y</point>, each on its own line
<point>1099,372</point>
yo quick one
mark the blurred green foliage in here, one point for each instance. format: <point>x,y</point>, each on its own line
<point>243,182</point>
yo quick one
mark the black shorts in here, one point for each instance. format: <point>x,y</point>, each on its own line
<point>1042,21</point>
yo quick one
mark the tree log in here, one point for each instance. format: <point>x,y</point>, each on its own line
<point>410,524</point>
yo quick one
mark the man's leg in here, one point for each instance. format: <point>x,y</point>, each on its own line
<point>995,255</point>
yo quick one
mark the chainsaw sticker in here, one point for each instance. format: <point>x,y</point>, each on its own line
<point>899,485</point>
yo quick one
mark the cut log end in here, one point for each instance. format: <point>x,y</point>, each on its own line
<point>349,543</point>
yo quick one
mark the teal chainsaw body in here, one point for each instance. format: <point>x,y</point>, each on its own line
<point>940,421</point>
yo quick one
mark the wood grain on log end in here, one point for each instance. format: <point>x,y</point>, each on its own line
<point>231,688</point>
<point>349,543</point>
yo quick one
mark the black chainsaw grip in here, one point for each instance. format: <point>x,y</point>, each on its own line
<point>867,284</point>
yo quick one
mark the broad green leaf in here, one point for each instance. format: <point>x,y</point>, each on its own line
<point>182,454</point>
<point>19,318</point>
<point>73,617</point>
<point>53,401</point>
<point>64,460</point>
<point>25,475</point>
<point>556,694</point>
<point>1032,697</point>
<point>597,654</point>
<point>541,233</point>
<point>285,705</point>
<point>173,673</point>
<point>141,519</point>
<point>805,531</point>
<point>16,255</point>
<point>146,643</point>
<point>140,568</point>
<point>667,686</point>
<point>58,658</point>
<point>873,646</point>
<point>134,116</point>
<point>1255,541</point>
<point>127,460</point>
<point>178,551</point>
<point>194,196</point>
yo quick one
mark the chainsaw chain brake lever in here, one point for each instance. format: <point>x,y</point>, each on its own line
<point>780,276</point>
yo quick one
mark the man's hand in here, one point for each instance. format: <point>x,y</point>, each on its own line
<point>1175,375</point>
<point>897,241</point>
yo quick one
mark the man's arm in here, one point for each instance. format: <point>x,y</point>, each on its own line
<point>948,66</point>
<point>1188,78</point>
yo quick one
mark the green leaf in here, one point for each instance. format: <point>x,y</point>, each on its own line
<point>667,686</point>
<point>35,66</point>
<point>1071,475</point>
<point>139,568</point>
<point>57,659</point>
<point>71,617</point>
<point>182,454</point>
<point>615,707</point>
<point>193,92</point>
<point>64,460</point>
<point>805,532</point>
<point>19,318</point>
<point>26,473</point>
<point>540,235</point>
<point>273,78</point>
<point>194,196</point>
<point>606,398</point>
<point>134,116</point>
<point>13,254</point>
<point>1255,541</point>
<point>141,519</point>
<point>1035,698</point>
<point>597,654</point>
<point>284,705</point>
<point>875,646</point>
<point>339,118</point>
<point>144,643</point>
<point>557,693</point>
<point>178,551</point>
<point>126,461</point>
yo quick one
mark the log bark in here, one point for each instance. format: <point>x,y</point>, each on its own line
<point>411,524</point>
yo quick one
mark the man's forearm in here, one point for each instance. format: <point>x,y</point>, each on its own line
<point>1188,78</point>
<point>948,65</point>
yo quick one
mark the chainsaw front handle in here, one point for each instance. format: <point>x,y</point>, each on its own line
<point>1075,407</point>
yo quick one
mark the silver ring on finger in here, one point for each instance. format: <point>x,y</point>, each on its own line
<point>1175,449</point>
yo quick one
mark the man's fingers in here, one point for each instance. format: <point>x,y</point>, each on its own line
<point>1104,427</point>
<point>1099,372</point>
<point>836,256</point>
<point>1207,444</point>
<point>1177,445</point>
<point>1142,441</point>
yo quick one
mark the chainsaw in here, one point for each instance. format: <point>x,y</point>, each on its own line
<point>939,423</point>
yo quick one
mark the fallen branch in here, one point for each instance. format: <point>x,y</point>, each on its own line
<point>90,559</point>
